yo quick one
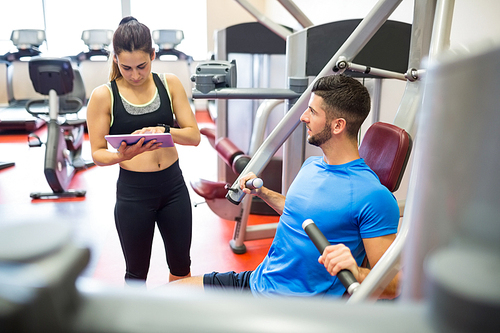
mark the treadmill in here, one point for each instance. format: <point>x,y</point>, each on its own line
<point>18,89</point>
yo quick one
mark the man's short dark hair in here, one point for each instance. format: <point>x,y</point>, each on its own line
<point>344,97</point>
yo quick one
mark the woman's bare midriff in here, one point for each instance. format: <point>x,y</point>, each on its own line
<point>152,161</point>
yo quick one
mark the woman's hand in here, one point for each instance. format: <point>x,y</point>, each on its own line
<point>150,130</point>
<point>127,152</point>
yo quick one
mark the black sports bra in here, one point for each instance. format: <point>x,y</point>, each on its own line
<point>128,118</point>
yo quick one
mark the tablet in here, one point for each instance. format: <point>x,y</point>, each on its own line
<point>130,139</point>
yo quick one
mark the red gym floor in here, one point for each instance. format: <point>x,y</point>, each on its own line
<point>92,216</point>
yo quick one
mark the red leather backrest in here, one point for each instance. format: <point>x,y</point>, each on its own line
<point>386,149</point>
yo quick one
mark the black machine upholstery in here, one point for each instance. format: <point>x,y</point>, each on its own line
<point>58,74</point>
<point>51,74</point>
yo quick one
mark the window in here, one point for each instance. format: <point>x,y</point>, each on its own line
<point>65,20</point>
<point>14,16</point>
<point>188,16</point>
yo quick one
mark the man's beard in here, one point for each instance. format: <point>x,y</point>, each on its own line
<point>321,137</point>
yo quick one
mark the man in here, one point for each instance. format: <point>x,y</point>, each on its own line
<point>338,191</point>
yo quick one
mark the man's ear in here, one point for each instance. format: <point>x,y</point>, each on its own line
<point>115,59</point>
<point>153,55</point>
<point>338,125</point>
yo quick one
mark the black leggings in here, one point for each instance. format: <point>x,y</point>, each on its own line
<point>143,198</point>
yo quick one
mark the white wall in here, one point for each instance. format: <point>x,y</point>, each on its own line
<point>225,13</point>
<point>473,21</point>
<point>324,11</point>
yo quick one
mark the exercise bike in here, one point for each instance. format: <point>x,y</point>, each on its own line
<point>55,78</point>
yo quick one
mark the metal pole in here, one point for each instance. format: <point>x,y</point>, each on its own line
<point>274,27</point>
<point>388,266</point>
<point>295,11</point>
<point>440,40</point>
<point>374,71</point>
<point>247,93</point>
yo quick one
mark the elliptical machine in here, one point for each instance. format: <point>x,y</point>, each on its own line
<point>55,77</point>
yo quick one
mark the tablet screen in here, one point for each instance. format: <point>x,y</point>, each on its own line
<point>130,139</point>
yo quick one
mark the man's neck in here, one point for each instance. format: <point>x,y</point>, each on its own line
<point>337,153</point>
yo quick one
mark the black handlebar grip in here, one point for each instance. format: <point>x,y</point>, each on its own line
<point>345,276</point>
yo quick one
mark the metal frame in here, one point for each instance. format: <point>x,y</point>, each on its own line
<point>274,27</point>
<point>296,13</point>
<point>431,26</point>
<point>286,129</point>
<point>353,45</point>
<point>242,232</point>
<point>430,17</point>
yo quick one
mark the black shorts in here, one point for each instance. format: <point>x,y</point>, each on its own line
<point>229,280</point>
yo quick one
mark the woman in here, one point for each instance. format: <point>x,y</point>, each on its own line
<point>150,185</point>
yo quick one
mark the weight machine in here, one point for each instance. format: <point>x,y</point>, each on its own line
<point>303,62</point>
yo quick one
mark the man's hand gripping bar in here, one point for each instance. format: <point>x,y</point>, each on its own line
<point>234,195</point>
<point>345,276</point>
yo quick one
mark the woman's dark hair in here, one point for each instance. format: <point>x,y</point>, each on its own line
<point>131,35</point>
<point>344,97</point>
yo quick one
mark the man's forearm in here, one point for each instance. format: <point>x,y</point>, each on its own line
<point>274,199</point>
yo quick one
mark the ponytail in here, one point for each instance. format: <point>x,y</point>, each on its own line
<point>131,35</point>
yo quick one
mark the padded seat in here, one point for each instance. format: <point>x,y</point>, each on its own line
<point>231,155</point>
<point>209,190</point>
<point>386,149</point>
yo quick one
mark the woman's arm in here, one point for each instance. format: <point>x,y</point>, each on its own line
<point>188,133</point>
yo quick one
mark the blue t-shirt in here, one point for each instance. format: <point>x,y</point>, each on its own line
<point>348,203</point>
